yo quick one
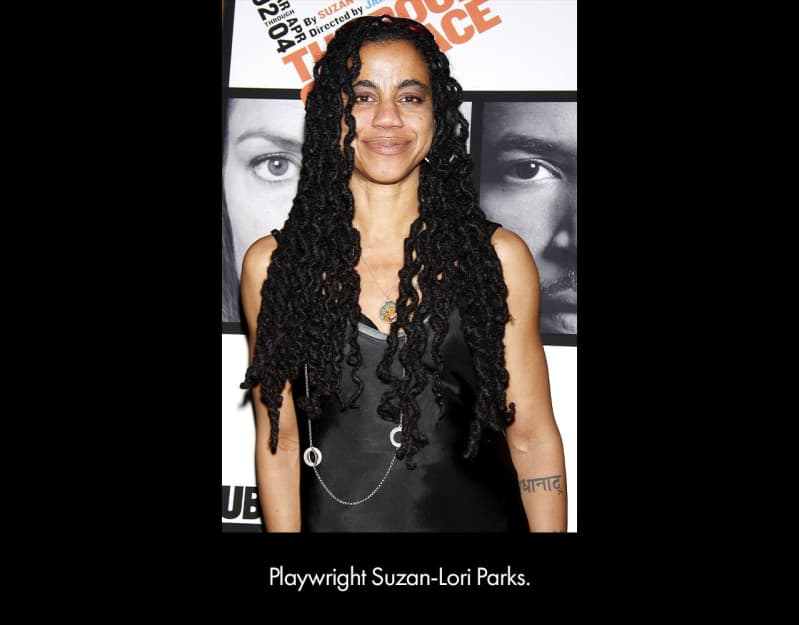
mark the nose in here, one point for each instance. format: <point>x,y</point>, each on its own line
<point>562,248</point>
<point>565,237</point>
<point>387,115</point>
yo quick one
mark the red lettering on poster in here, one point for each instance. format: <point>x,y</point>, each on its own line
<point>458,26</point>
<point>449,28</point>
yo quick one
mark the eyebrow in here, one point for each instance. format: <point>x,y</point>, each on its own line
<point>531,143</point>
<point>408,82</point>
<point>283,143</point>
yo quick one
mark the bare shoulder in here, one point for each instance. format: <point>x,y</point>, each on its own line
<point>253,275</point>
<point>258,256</point>
<point>514,255</point>
<point>261,249</point>
<point>521,279</point>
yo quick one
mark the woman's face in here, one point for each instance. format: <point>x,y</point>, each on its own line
<point>393,113</point>
<point>262,166</point>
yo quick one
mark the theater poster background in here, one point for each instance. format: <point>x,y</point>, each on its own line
<point>517,63</point>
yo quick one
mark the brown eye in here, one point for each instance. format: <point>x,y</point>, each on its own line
<point>529,170</point>
<point>526,171</point>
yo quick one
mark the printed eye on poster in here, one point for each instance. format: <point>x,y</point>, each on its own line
<point>516,61</point>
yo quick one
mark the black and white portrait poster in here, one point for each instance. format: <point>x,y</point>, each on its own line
<point>517,63</point>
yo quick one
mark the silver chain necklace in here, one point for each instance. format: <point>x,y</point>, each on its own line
<point>388,311</point>
<point>313,456</point>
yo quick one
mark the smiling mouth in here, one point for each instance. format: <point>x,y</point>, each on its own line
<point>387,146</point>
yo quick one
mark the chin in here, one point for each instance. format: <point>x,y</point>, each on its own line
<point>387,175</point>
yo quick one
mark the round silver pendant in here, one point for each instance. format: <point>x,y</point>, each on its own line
<point>312,456</point>
<point>394,432</point>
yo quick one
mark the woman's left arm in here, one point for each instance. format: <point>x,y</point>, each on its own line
<point>534,440</point>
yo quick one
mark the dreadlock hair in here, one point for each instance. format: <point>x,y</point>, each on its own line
<point>310,297</point>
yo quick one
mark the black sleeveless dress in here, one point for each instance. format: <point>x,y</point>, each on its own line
<point>444,493</point>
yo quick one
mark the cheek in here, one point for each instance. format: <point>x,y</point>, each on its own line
<point>515,210</point>
<point>429,131</point>
<point>235,192</point>
<point>558,200</point>
<point>571,193</point>
<point>491,200</point>
<point>526,211</point>
<point>241,210</point>
<point>254,208</point>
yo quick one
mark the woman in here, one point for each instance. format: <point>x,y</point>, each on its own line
<point>385,323</point>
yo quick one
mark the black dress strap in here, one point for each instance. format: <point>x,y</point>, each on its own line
<point>492,228</point>
<point>367,321</point>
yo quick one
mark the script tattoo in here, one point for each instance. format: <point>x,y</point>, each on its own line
<point>551,482</point>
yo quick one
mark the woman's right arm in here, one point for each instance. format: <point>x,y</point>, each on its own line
<point>278,474</point>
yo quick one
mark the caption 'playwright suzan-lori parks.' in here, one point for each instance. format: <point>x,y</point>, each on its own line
<point>379,577</point>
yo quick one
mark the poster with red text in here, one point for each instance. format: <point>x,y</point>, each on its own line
<point>517,63</point>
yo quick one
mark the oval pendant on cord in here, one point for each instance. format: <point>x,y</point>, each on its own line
<point>317,456</point>
<point>388,312</point>
<point>394,432</point>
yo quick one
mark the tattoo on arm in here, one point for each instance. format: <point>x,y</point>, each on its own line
<point>551,482</point>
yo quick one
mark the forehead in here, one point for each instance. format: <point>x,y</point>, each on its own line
<point>246,113</point>
<point>399,59</point>
<point>540,119</point>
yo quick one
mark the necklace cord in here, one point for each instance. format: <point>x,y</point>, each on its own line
<point>374,277</point>
<point>388,311</point>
